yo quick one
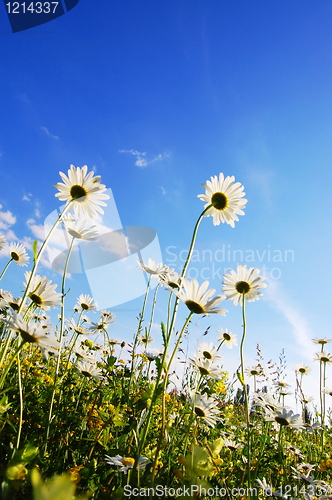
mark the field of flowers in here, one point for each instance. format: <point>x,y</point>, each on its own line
<point>78,419</point>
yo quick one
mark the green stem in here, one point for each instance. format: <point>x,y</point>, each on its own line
<point>8,367</point>
<point>162,430</point>
<point>20,392</point>
<point>60,339</point>
<point>168,339</point>
<point>245,389</point>
<point>139,328</point>
<point>5,268</point>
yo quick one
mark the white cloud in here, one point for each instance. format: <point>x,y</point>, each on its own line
<point>141,160</point>
<point>7,217</point>
<point>163,190</point>
<point>49,133</point>
<point>27,197</point>
<point>301,331</point>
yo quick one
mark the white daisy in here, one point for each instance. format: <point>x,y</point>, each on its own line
<point>243,282</point>
<point>41,292</point>
<point>307,399</point>
<point>267,401</point>
<point>207,368</point>
<point>302,369</point>
<point>18,254</point>
<point>84,190</point>
<point>145,338</point>
<point>89,369</point>
<point>205,408</point>
<point>285,418</point>
<point>75,327</point>
<point>104,321</point>
<point>3,241</point>
<point>170,280</point>
<point>197,298</point>
<point>207,351</point>
<point>107,316</point>
<point>226,197</point>
<point>328,390</point>
<point>80,229</point>
<point>126,463</point>
<point>323,357</point>
<point>86,302</point>
<point>154,269</point>
<point>32,333</point>
<point>254,371</point>
<point>321,341</point>
<point>227,338</point>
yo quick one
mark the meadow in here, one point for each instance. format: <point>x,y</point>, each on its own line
<point>83,419</point>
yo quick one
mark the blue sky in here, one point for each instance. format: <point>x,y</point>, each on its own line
<point>156,97</point>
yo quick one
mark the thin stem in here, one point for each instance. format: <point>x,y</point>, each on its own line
<point>20,392</point>
<point>38,257</point>
<point>168,339</point>
<point>8,367</point>
<point>60,338</point>
<point>162,430</point>
<point>245,387</point>
<point>5,268</point>
<point>139,328</point>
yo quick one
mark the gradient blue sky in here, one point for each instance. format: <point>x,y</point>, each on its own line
<point>197,88</point>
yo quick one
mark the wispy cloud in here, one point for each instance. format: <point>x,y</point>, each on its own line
<point>300,329</point>
<point>163,190</point>
<point>29,198</point>
<point>141,159</point>
<point>47,132</point>
<point>7,217</point>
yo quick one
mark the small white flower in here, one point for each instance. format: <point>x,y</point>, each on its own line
<point>32,333</point>
<point>154,269</point>
<point>89,369</point>
<point>302,369</point>
<point>226,197</point>
<point>83,190</point>
<point>227,338</point>
<point>80,229</point>
<point>207,351</point>
<point>243,283</point>
<point>126,463</point>
<point>3,241</point>
<point>86,303</point>
<point>18,254</point>
<point>286,418</point>
<point>197,299</point>
<point>41,292</point>
<point>205,408</point>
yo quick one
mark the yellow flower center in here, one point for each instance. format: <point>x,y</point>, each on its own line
<point>219,201</point>
<point>194,307</point>
<point>36,299</point>
<point>281,421</point>
<point>207,355</point>
<point>128,461</point>
<point>77,191</point>
<point>242,287</point>
<point>15,256</point>
<point>203,371</point>
<point>199,412</point>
